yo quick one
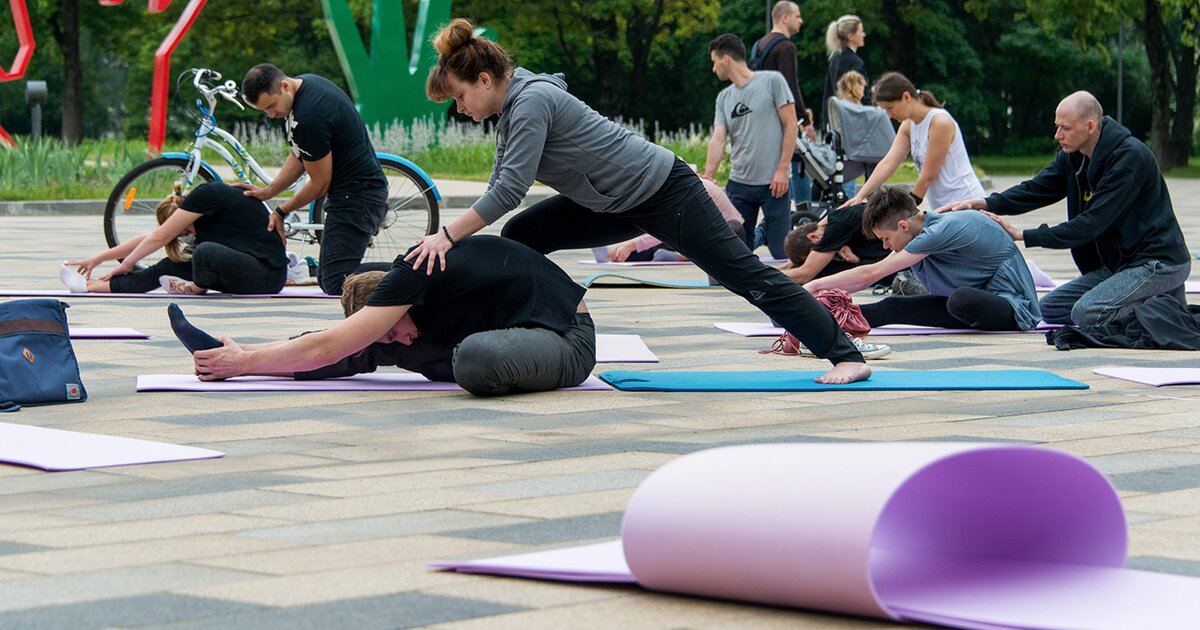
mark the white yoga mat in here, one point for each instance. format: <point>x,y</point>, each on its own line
<point>287,292</point>
<point>765,329</point>
<point>55,449</point>
<point>385,382</point>
<point>623,349</point>
<point>1157,377</point>
<point>107,333</point>
<point>963,535</point>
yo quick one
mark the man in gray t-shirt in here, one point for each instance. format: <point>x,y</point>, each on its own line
<point>977,278</point>
<point>757,115</point>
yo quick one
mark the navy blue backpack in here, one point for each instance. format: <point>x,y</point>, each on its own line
<point>37,362</point>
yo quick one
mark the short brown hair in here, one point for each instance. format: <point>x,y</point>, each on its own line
<point>796,244</point>
<point>463,54</point>
<point>886,207</point>
<point>357,288</point>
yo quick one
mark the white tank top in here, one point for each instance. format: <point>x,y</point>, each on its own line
<point>956,180</point>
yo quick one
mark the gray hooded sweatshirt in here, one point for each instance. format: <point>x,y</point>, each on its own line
<point>546,134</point>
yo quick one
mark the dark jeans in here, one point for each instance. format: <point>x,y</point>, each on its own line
<point>776,215</point>
<point>965,308</point>
<point>351,220</point>
<point>684,217</point>
<point>1099,296</point>
<point>213,266</point>
<point>498,362</point>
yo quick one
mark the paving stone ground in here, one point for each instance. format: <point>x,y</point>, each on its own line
<point>327,505</point>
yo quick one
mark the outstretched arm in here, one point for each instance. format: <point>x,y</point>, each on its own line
<point>176,224</point>
<point>307,352</point>
<point>813,265</point>
<point>859,278</point>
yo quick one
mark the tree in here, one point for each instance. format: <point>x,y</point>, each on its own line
<point>1169,29</point>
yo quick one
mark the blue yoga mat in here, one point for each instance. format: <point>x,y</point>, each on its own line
<point>622,280</point>
<point>803,381</point>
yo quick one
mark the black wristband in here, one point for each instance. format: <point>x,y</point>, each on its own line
<point>915,197</point>
<point>281,212</point>
<point>447,233</point>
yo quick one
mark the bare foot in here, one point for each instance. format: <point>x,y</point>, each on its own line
<point>845,372</point>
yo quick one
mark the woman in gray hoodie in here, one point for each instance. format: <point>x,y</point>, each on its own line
<point>613,186</point>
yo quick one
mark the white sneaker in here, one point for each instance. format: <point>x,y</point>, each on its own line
<point>868,350</point>
<point>73,280</point>
<point>174,284</point>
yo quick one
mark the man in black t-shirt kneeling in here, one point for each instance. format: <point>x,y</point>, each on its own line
<point>500,318</point>
<point>329,141</point>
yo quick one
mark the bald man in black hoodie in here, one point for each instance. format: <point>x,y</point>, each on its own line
<point>1121,228</point>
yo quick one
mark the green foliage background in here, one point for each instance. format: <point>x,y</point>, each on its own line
<point>999,71</point>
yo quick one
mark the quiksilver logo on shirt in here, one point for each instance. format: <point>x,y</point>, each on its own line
<point>740,110</point>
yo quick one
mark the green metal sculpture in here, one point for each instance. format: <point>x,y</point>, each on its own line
<point>388,83</point>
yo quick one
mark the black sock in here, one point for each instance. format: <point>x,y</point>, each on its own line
<point>191,337</point>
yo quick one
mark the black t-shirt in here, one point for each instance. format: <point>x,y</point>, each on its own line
<point>433,361</point>
<point>845,228</point>
<point>235,221</point>
<point>324,119</point>
<point>490,283</point>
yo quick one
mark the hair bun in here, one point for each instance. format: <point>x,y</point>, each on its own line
<point>458,33</point>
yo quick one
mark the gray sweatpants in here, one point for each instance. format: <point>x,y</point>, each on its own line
<point>497,362</point>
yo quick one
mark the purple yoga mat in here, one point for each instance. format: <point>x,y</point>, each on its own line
<point>962,535</point>
<point>107,333</point>
<point>287,292</point>
<point>1157,377</point>
<point>54,449</point>
<point>757,329</point>
<point>385,382</point>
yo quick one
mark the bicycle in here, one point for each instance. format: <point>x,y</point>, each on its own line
<point>412,196</point>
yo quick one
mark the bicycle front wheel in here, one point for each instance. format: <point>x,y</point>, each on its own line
<point>412,213</point>
<point>130,208</point>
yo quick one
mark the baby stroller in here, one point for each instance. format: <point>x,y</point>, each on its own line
<point>859,137</point>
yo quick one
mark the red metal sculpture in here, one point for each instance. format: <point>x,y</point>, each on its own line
<point>25,46</point>
<point>162,64</point>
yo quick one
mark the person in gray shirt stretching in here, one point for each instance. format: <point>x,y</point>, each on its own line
<point>613,184</point>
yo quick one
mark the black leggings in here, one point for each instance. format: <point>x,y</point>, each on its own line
<point>213,266</point>
<point>965,308</point>
<point>684,218</point>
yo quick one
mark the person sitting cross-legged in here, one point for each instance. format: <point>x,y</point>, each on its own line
<point>976,276</point>
<point>493,328</point>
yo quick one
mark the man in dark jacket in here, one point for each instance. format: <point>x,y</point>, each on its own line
<point>1121,228</point>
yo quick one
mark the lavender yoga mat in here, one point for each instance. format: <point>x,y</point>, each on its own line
<point>54,449</point>
<point>1157,377</point>
<point>287,292</point>
<point>385,382</point>
<point>756,329</point>
<point>107,333</point>
<point>962,535</point>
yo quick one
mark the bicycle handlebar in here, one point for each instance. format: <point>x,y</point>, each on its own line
<point>227,90</point>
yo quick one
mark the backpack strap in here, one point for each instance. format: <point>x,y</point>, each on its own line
<point>754,54</point>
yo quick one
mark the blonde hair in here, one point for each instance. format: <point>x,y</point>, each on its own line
<point>851,86</point>
<point>837,36</point>
<point>176,250</point>
<point>462,54</point>
<point>357,288</point>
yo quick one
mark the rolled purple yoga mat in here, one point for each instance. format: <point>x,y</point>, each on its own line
<point>967,536</point>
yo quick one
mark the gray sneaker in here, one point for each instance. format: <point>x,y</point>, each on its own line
<point>868,350</point>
